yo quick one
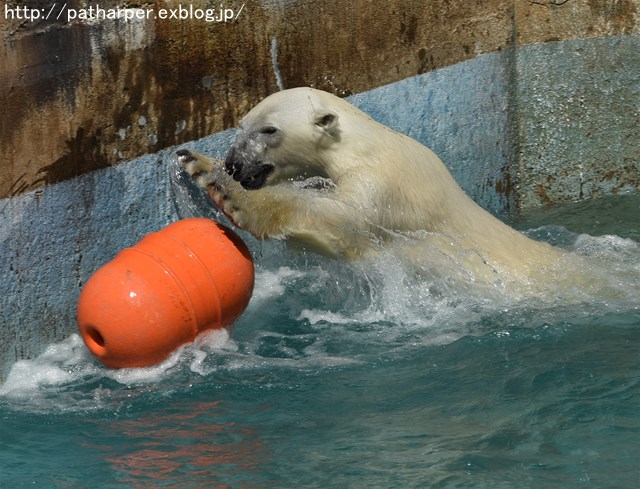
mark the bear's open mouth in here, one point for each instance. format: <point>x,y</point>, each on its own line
<point>258,178</point>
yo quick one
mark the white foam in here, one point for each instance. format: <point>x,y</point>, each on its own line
<point>145,375</point>
<point>607,244</point>
<point>270,284</point>
<point>56,366</point>
<point>55,379</point>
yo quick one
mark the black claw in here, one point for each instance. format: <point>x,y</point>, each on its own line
<point>185,155</point>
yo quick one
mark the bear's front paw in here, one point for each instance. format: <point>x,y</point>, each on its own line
<point>200,168</point>
<point>209,174</point>
<point>225,201</point>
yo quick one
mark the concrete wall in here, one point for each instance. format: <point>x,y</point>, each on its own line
<point>527,102</point>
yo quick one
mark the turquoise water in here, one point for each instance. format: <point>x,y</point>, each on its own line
<point>355,376</point>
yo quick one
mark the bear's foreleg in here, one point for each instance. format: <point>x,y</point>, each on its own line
<point>310,218</point>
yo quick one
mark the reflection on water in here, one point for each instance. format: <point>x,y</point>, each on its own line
<point>190,443</point>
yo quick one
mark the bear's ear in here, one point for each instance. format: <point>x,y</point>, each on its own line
<point>327,120</point>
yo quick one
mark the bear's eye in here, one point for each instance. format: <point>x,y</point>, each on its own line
<point>268,130</point>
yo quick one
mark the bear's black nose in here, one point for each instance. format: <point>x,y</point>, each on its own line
<point>232,166</point>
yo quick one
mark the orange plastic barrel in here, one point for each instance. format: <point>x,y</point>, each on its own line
<point>191,276</point>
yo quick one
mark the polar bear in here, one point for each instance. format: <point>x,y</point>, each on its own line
<point>310,168</point>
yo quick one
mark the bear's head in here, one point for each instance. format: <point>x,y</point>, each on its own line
<point>286,137</point>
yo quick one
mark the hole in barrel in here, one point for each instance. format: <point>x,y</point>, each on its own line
<point>96,341</point>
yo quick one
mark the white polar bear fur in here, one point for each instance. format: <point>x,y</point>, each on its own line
<point>386,187</point>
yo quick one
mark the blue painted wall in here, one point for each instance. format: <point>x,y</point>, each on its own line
<point>52,240</point>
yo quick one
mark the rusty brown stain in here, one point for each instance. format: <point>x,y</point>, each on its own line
<point>88,110</point>
<point>542,193</point>
<point>556,20</point>
<point>503,186</point>
<point>627,176</point>
<point>620,15</point>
